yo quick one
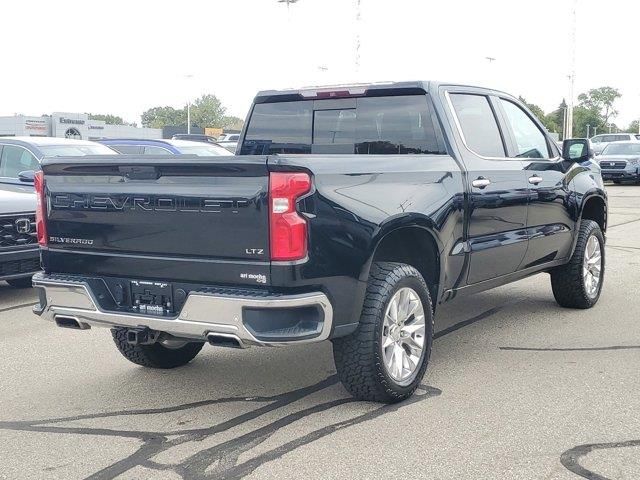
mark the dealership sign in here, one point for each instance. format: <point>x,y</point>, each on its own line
<point>71,121</point>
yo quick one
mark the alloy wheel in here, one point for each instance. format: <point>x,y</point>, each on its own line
<point>403,335</point>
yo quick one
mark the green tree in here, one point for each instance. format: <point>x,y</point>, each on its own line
<point>158,117</point>
<point>557,117</point>
<point>207,111</point>
<point>601,101</point>
<point>547,120</point>
<point>633,127</point>
<point>232,122</point>
<point>583,116</point>
<point>109,119</point>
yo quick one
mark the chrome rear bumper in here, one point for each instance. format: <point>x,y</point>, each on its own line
<point>204,312</point>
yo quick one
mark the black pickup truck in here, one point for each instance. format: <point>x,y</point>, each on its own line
<point>350,213</point>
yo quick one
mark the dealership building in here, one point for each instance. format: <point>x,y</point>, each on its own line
<point>71,125</point>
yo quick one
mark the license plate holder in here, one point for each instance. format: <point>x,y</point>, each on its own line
<point>154,298</point>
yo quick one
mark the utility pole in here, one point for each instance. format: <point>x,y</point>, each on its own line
<point>288,2</point>
<point>190,76</point>
<point>572,74</point>
<point>357,53</point>
<point>588,130</point>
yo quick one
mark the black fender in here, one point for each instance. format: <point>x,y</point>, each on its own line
<point>400,222</point>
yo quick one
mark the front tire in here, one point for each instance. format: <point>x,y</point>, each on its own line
<point>155,355</point>
<point>578,283</point>
<point>385,359</point>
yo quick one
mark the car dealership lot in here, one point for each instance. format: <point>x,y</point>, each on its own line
<point>524,389</point>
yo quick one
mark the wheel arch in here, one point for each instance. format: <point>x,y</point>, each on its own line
<point>593,207</point>
<point>414,242</point>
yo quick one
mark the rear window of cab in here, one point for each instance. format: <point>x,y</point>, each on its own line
<point>366,125</point>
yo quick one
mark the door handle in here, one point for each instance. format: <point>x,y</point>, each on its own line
<point>535,180</point>
<point>481,182</point>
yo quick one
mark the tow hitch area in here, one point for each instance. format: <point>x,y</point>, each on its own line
<point>141,336</point>
<point>154,298</point>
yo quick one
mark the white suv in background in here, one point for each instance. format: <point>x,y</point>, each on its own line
<point>229,141</point>
<point>600,141</point>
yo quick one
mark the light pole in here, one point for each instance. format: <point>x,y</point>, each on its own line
<point>357,57</point>
<point>572,74</point>
<point>588,130</point>
<point>190,76</point>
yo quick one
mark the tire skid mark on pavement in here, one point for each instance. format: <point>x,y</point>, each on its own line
<point>15,307</point>
<point>571,458</point>
<point>571,349</point>
<point>469,321</point>
<point>226,454</point>
<point>623,248</point>
<point>623,223</point>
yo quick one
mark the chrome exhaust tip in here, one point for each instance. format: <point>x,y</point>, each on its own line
<point>227,340</point>
<point>65,321</point>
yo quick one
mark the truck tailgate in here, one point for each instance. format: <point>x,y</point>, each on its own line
<point>197,218</point>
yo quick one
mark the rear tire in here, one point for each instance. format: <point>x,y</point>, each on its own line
<point>366,360</point>
<point>155,355</point>
<point>571,282</point>
<point>24,282</point>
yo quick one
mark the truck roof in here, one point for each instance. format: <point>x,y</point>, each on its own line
<point>358,89</point>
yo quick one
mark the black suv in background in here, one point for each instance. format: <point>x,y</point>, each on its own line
<point>350,214</point>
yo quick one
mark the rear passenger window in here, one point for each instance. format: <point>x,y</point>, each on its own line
<point>395,125</point>
<point>371,125</point>
<point>334,127</point>
<point>283,127</point>
<point>530,141</point>
<point>478,124</point>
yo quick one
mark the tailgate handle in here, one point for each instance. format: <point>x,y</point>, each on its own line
<point>137,172</point>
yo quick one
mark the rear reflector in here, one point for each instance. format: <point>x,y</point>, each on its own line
<point>288,229</point>
<point>41,225</point>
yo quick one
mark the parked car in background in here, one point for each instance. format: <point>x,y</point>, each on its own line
<point>19,256</point>
<point>620,161</point>
<point>194,137</point>
<point>163,147</point>
<point>598,142</point>
<point>229,137</point>
<point>23,154</point>
<point>229,141</point>
<point>19,159</point>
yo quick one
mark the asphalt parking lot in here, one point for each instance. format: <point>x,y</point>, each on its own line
<point>523,389</point>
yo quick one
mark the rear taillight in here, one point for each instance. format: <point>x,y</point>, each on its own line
<point>288,228</point>
<point>41,224</point>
